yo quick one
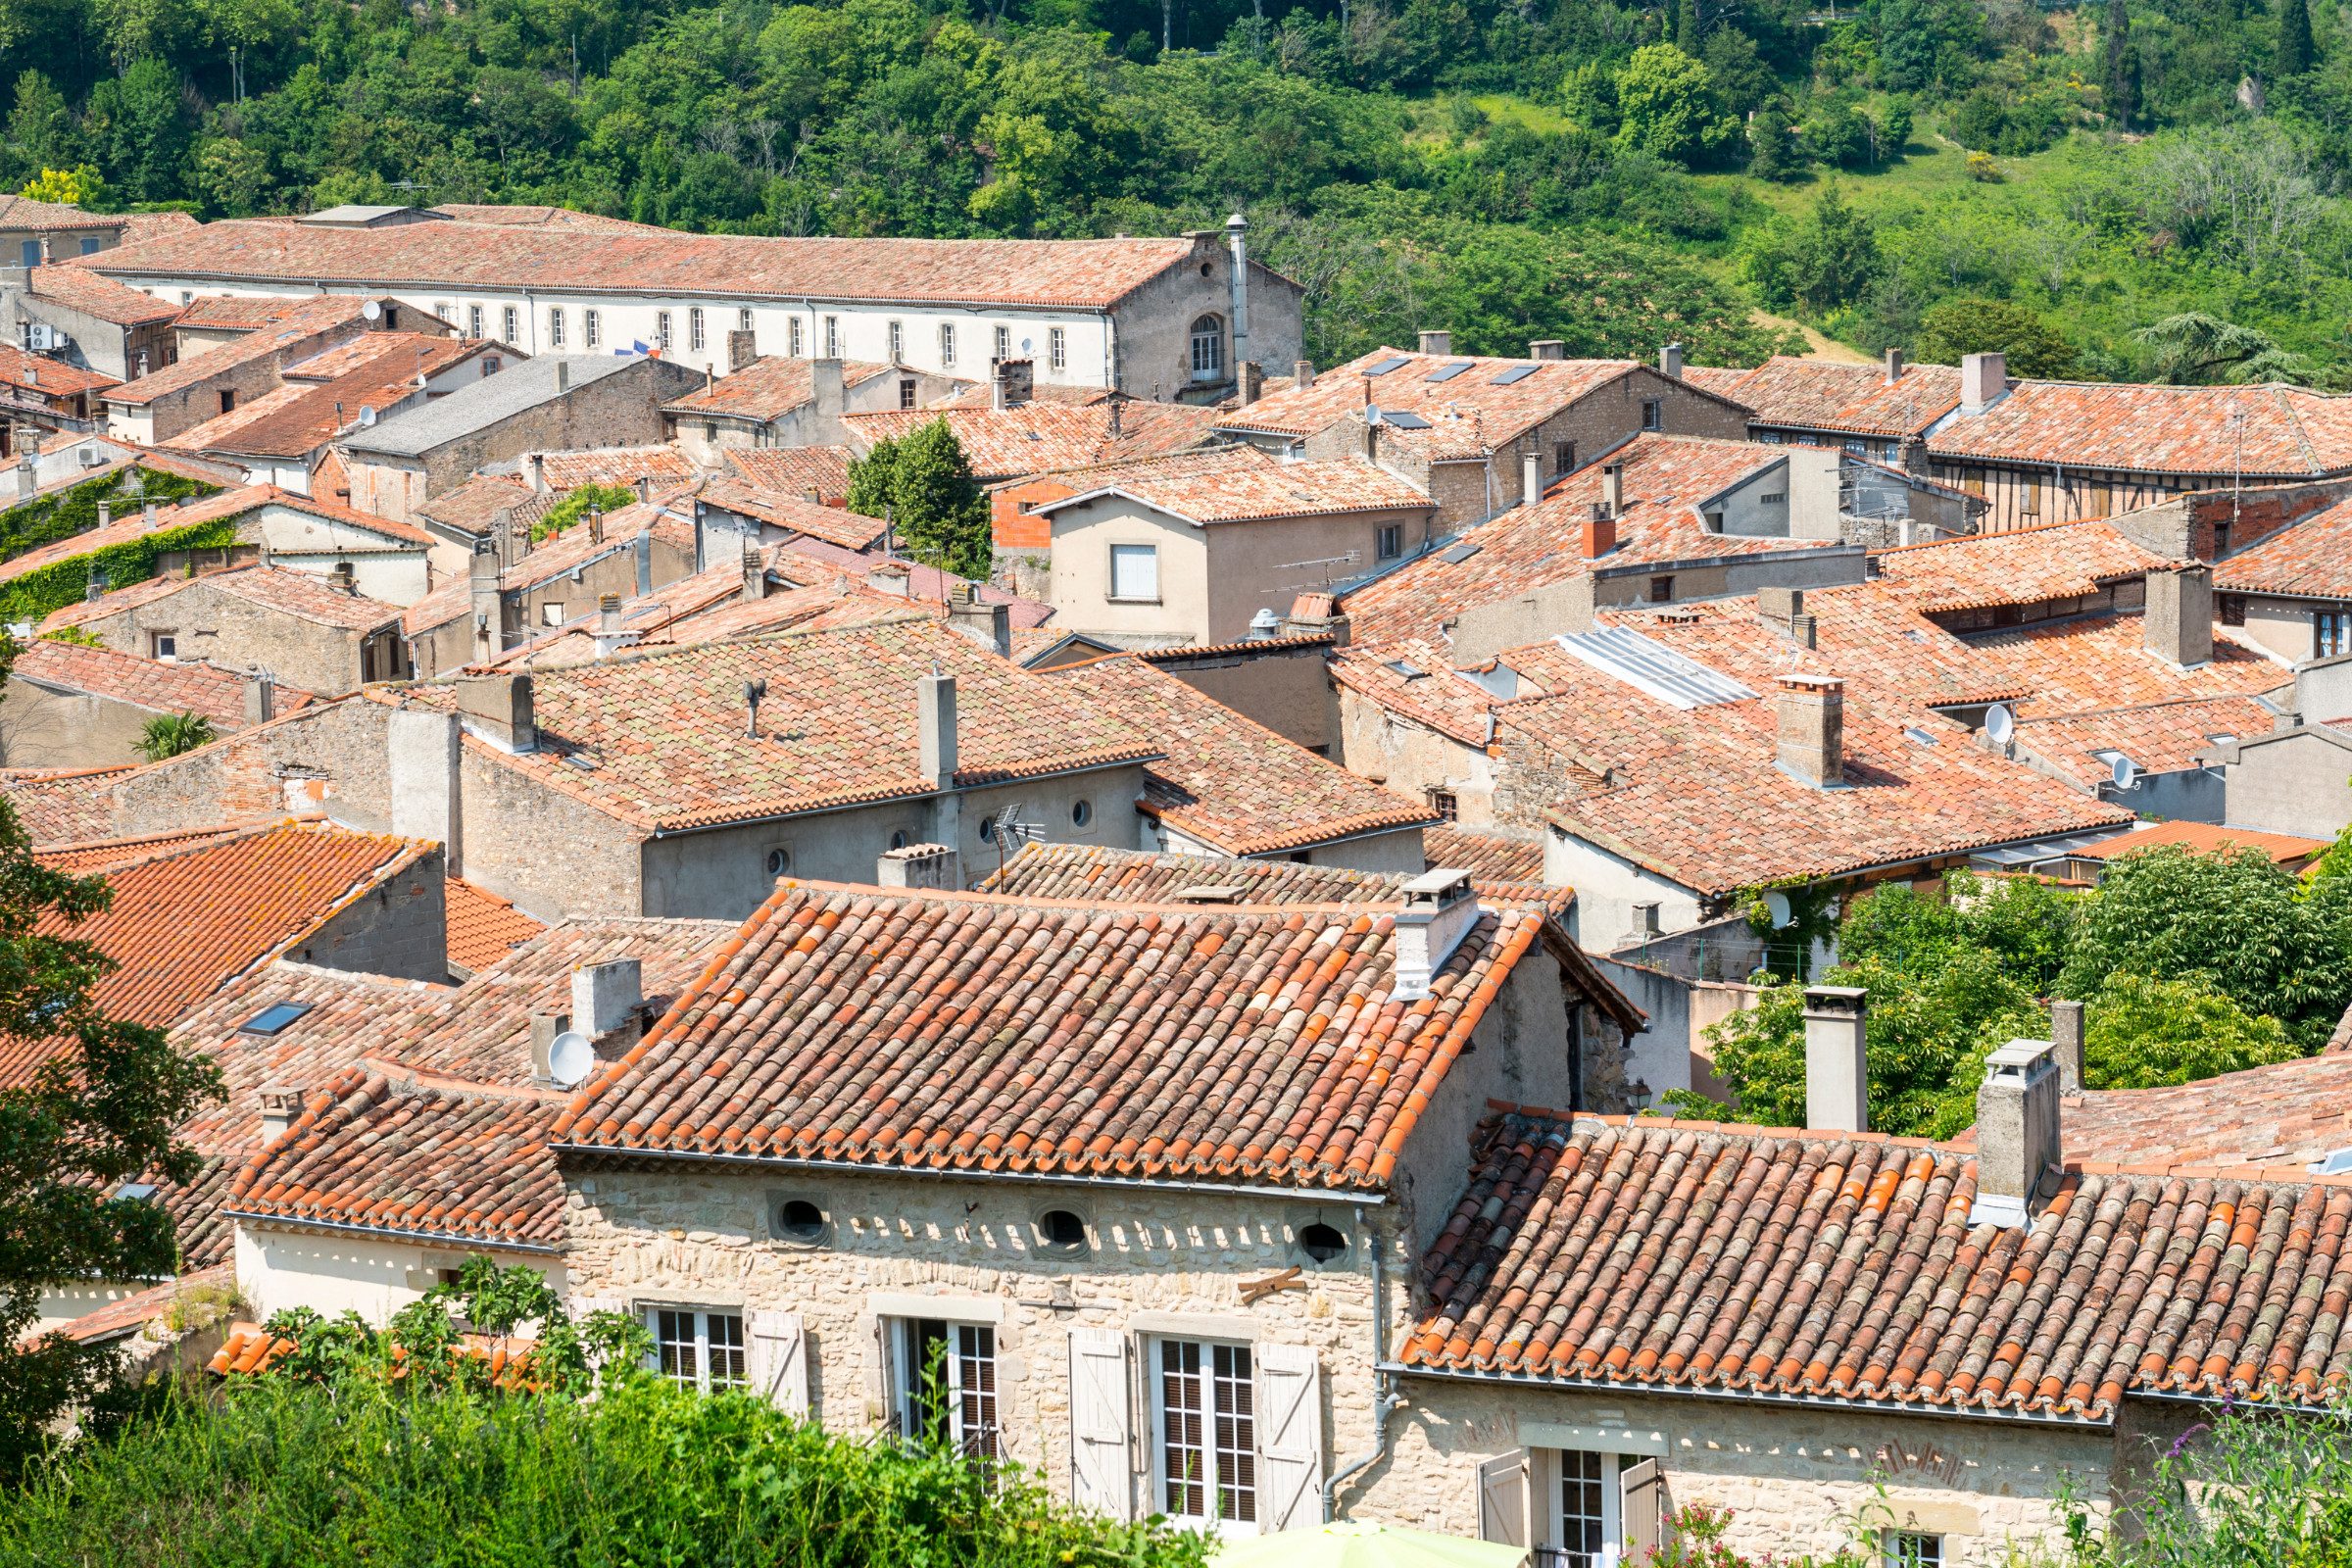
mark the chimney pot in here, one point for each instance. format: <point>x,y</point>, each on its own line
<point>261,698</point>
<point>1599,532</point>
<point>917,865</point>
<point>1437,342</point>
<point>279,1105</point>
<point>1547,347</point>
<point>606,996</point>
<point>1894,365</point>
<point>1612,488</point>
<point>2178,621</point>
<point>106,513</point>
<point>988,624</point>
<point>2016,1132</point>
<point>1440,907</point>
<point>2066,1045</point>
<point>539,472</point>
<point>1670,361</point>
<point>1302,373</point>
<point>1812,729</point>
<point>1531,480</point>
<point>935,719</point>
<point>1983,381</point>
<point>1837,1059</point>
<point>608,613</point>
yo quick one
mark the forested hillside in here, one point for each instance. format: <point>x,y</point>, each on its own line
<point>2140,190</point>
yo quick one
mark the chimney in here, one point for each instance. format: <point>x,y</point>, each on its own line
<point>754,572</point>
<point>995,387</point>
<point>755,692</point>
<point>1599,532</point>
<point>1780,605</point>
<point>147,515</point>
<point>1531,480</point>
<point>1437,342</point>
<point>498,707</point>
<point>1302,373</point>
<point>917,865</point>
<point>95,588</point>
<point>539,472</point>
<point>645,489</point>
<point>1894,365</point>
<point>596,523</point>
<point>1016,381</point>
<point>828,399</point>
<point>545,1027</point>
<point>1440,908</point>
<point>2066,1045</point>
<point>1812,730</point>
<point>1612,488</point>
<point>2178,623</point>
<point>106,513</point>
<point>935,722</point>
<point>608,996</point>
<point>1237,230</point>
<point>26,481</point>
<point>2016,1132</point>
<point>1116,403</point>
<point>481,576</point>
<point>563,375</point>
<point>607,624</point>
<point>890,577</point>
<point>743,347</point>
<point>261,698</point>
<point>1642,927</point>
<point>279,1105</point>
<point>1547,347</point>
<point>1249,384</point>
<point>1670,361</point>
<point>344,578</point>
<point>989,625</point>
<point>1837,1059</point>
<point>1983,381</point>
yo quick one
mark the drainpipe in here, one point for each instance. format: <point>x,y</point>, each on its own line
<point>1386,1403</point>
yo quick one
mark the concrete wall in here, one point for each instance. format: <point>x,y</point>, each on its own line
<point>372,1275</point>
<point>1659,1058</point>
<point>2292,782</point>
<point>100,345</point>
<point>1151,328</point>
<point>237,633</point>
<point>1285,689</point>
<point>41,726</point>
<point>398,927</point>
<point>1608,886</point>
<point>1413,760</point>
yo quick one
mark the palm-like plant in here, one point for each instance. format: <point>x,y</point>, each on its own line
<point>171,734</point>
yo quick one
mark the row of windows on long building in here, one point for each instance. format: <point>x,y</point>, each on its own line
<point>592,334</point>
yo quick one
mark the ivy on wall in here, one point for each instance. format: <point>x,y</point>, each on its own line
<point>48,518</point>
<point>51,588</point>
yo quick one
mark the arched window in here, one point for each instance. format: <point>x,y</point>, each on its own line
<point>1209,349</point>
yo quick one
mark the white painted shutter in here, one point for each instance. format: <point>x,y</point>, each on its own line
<point>1645,1513</point>
<point>1290,1436</point>
<point>1502,1501</point>
<point>1101,1477</point>
<point>779,1361</point>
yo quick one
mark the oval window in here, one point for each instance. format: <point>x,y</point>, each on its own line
<point>800,1220</point>
<point>1082,814</point>
<point>1322,1243</point>
<point>1063,1230</point>
<point>779,861</point>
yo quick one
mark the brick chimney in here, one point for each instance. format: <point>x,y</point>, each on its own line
<point>1531,480</point>
<point>1437,342</point>
<point>2178,623</point>
<point>261,698</point>
<point>1837,1059</point>
<point>1440,908</point>
<point>935,725</point>
<point>498,707</point>
<point>1547,347</point>
<point>1599,532</point>
<point>917,865</point>
<point>2017,1133</point>
<point>1894,365</point>
<point>1670,361</point>
<point>1983,381</point>
<point>1249,384</point>
<point>279,1105</point>
<point>1812,729</point>
<point>2066,1045</point>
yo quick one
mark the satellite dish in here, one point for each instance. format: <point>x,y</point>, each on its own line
<point>570,1058</point>
<point>1372,413</point>
<point>372,310</point>
<point>1999,723</point>
<point>2123,770</point>
<point>1775,904</point>
<point>366,414</point>
<point>1024,345</point>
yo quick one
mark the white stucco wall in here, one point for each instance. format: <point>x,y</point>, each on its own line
<point>375,1276</point>
<point>1607,887</point>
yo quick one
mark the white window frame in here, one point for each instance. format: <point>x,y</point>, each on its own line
<point>1208,335</point>
<point>473,321</point>
<point>163,647</point>
<point>1554,1477</point>
<point>511,318</point>
<point>591,327</point>
<point>699,1320</point>
<point>661,329</point>
<point>792,339</point>
<point>1930,1553</point>
<point>1004,341</point>
<point>1128,551</point>
<point>694,328</point>
<point>1155,1407</point>
<point>743,320</point>
<point>441,309</point>
<point>1057,348</point>
<point>832,337</point>
<point>967,1344</point>
<point>551,613</point>
<point>555,326</point>
<point>947,343</point>
<point>898,342</point>
<point>2331,633</point>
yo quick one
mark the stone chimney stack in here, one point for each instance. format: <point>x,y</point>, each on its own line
<point>1670,361</point>
<point>106,513</point>
<point>1983,381</point>
<point>26,481</point>
<point>743,348</point>
<point>2017,1133</point>
<point>1302,373</point>
<point>1249,384</point>
<point>1812,729</point>
<point>539,472</point>
<point>608,615</point>
<point>1237,241</point>
<point>1437,342</point>
<point>498,707</point>
<point>917,865</point>
<point>1837,1059</point>
<point>1531,480</point>
<point>2066,1045</point>
<point>1640,927</point>
<point>2178,622</point>
<point>1612,488</point>
<point>1440,908</point>
<point>261,698</point>
<point>1894,365</point>
<point>608,998</point>
<point>935,722</point>
<point>1547,347</point>
<point>279,1104</point>
<point>754,572</point>
<point>988,624</point>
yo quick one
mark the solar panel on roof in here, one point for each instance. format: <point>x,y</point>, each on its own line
<point>1403,421</point>
<point>1385,365</point>
<point>1652,667</point>
<point>1447,373</point>
<point>1517,372</point>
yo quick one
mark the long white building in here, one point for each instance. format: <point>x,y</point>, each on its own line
<point>1163,318</point>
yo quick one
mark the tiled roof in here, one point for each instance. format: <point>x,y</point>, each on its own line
<point>524,215</point>
<point>1667,478</point>
<point>69,805</point>
<point>230,313</point>
<point>386,1149</point>
<point>768,388</point>
<point>2016,566</point>
<point>2312,557</point>
<point>471,506</point>
<point>1842,399</point>
<point>178,688</point>
<point>1696,793</point>
<point>483,927</point>
<point>52,378</point>
<point>118,1319</point>
<point>1841,1267</point>
<point>2285,1116</point>
<point>302,594</point>
<point>297,418</point>
<point>926,585</point>
<point>2207,838</point>
<point>2286,433</point>
<point>835,526</point>
<point>566,553</point>
<point>1243,484</point>
<point>186,920</point>
<point>1469,406</point>
<point>1046,437</point>
<point>1484,855</point>
<point>286,324</point>
<point>660,738</point>
<point>25,213</point>
<point>982,394</point>
<point>1092,874</point>
<point>1226,781</point>
<point>124,529</point>
<point>85,860</point>
<point>2159,737</point>
<point>957,1031</point>
<point>2092,663</point>
<point>115,601</point>
<point>548,258</point>
<point>625,465</point>
<point>794,471</point>
<point>77,288</point>
<point>1414,680</point>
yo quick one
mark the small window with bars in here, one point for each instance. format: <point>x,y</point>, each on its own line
<point>1207,1428</point>
<point>698,1349</point>
<point>1447,805</point>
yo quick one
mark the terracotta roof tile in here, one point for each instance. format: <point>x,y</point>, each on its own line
<point>1092,874</point>
<point>2093,663</point>
<point>177,688</point>
<point>2159,737</point>
<point>86,859</point>
<point>835,526</point>
<point>118,1319</point>
<point>768,388</point>
<point>306,595</point>
<point>52,378</point>
<point>2016,566</point>
<point>1046,437</point>
<point>1835,399</point>
<point>80,290</point>
<point>483,927</point>
<point>295,419</point>
<point>794,471</point>
<point>473,505</point>
<point>1415,680</point>
<point>621,465</point>
<point>1598,1252</point>
<point>1485,856</point>
<point>525,215</point>
<point>2207,838</point>
<point>2286,433</point>
<point>1243,484</point>
<point>62,806</point>
<point>926,585</point>
<point>287,325</point>
<point>27,213</point>
<point>2312,557</point>
<point>943,1031</point>
<point>2287,1116</point>
<point>567,552</point>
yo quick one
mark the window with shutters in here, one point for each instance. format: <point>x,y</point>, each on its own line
<point>832,337</point>
<point>1586,1533</point>
<point>696,1348</point>
<point>473,321</point>
<point>1135,574</point>
<point>1204,1427</point>
<point>946,1385</point>
<point>694,328</point>
<point>555,326</point>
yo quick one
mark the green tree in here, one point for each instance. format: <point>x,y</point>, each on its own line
<point>75,187</point>
<point>2295,53</point>
<point>142,128</point>
<point>97,1113</point>
<point>1772,152</point>
<point>2144,1033</point>
<point>577,504</point>
<point>1840,137</point>
<point>1827,261</point>
<point>1666,105</point>
<point>41,133</point>
<point>940,512</point>
<point>2194,348</point>
<point>1688,36</point>
<point>173,735</point>
<point>1963,326</point>
<point>233,176</point>
<point>2122,77</point>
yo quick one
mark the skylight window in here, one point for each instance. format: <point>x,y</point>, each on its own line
<point>1516,373</point>
<point>1396,362</point>
<point>1403,421</point>
<point>135,1192</point>
<point>1410,671</point>
<point>1919,735</point>
<point>1459,554</point>
<point>274,1019</point>
<point>1447,373</point>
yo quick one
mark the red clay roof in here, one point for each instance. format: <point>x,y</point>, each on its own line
<point>483,927</point>
<point>2210,431</point>
<point>623,466</point>
<point>935,1031</point>
<point>77,288</point>
<point>149,683</point>
<point>1092,272</point>
<point>2285,1116</point>
<point>1243,484</point>
<point>297,418</point>
<point>306,595</point>
<point>2015,566</point>
<point>2312,557</point>
<point>768,388</point>
<point>794,471</point>
<point>566,553</point>
<point>1594,1251</point>
<point>525,215</point>
<point>288,323</point>
<point>2092,663</point>
<point>1227,782</point>
<point>2159,737</point>
<point>2207,838</point>
<point>1046,437</point>
<point>1807,394</point>
<point>835,526</point>
<point>1485,856</point>
<point>51,378</point>
<point>474,505</point>
<point>118,1319</point>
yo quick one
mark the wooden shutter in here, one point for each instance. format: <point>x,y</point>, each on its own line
<point>779,1361</point>
<point>1290,1436</point>
<point>1101,1430</point>
<point>1645,1512</point>
<point>1502,1500</point>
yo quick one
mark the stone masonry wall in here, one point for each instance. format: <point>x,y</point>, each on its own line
<point>239,634</point>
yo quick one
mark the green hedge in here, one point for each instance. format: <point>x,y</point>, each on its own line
<point>31,525</point>
<point>61,583</point>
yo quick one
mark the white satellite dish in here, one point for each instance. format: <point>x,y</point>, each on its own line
<point>1024,345</point>
<point>570,1058</point>
<point>1371,413</point>
<point>372,310</point>
<point>1999,723</point>
<point>1775,904</point>
<point>2123,770</point>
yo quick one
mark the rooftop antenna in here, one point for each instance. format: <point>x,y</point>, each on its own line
<point>1011,833</point>
<point>754,691</point>
<point>2237,462</point>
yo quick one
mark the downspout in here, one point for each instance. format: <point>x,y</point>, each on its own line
<point>1386,1403</point>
